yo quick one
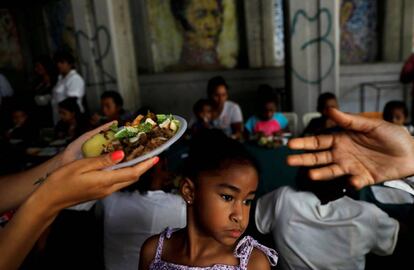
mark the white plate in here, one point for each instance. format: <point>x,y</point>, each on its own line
<point>156,151</point>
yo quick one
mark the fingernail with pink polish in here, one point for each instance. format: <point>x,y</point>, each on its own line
<point>117,155</point>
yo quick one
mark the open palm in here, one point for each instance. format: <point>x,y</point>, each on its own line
<point>369,150</point>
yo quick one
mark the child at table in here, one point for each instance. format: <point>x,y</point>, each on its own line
<point>267,122</point>
<point>396,112</point>
<point>220,184</point>
<point>72,123</point>
<point>203,111</point>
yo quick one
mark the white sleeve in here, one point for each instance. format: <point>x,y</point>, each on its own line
<point>386,233</point>
<point>266,211</point>
<point>236,114</point>
<point>75,87</point>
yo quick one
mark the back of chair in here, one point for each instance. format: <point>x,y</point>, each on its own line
<point>292,122</point>
<point>307,117</point>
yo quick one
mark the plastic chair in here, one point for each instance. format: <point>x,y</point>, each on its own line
<point>292,122</point>
<point>307,117</point>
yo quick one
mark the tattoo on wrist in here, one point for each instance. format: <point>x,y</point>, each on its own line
<point>41,180</point>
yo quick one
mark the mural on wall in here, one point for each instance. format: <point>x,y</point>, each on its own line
<point>190,34</point>
<point>59,21</point>
<point>10,49</point>
<point>278,34</point>
<point>359,38</point>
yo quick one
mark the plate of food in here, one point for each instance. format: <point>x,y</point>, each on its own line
<point>144,138</point>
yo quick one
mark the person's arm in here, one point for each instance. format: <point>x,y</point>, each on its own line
<point>15,188</point>
<point>369,151</point>
<point>74,183</point>
<point>407,72</point>
<point>148,251</point>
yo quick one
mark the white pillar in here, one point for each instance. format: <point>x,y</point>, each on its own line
<point>106,50</point>
<point>314,51</point>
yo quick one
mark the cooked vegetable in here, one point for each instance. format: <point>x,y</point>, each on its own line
<point>97,144</point>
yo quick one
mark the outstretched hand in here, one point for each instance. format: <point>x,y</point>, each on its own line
<point>84,180</point>
<point>369,150</point>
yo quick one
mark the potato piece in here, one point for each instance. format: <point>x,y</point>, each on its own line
<point>95,145</point>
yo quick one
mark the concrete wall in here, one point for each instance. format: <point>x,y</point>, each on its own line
<point>351,76</point>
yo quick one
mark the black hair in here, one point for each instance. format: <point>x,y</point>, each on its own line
<point>212,151</point>
<point>391,106</point>
<point>115,96</point>
<point>199,105</point>
<point>71,104</point>
<point>326,191</point>
<point>179,7</point>
<point>64,56</point>
<point>265,95</point>
<point>322,99</point>
<point>215,82</point>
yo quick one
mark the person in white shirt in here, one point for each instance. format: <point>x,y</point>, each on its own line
<point>227,114</point>
<point>313,230</point>
<point>133,215</point>
<point>69,84</point>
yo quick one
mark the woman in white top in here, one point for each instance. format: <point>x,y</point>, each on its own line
<point>69,84</point>
<point>138,212</point>
<point>227,114</point>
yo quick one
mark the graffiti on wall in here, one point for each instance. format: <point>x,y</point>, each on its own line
<point>190,34</point>
<point>359,33</point>
<point>96,49</point>
<point>301,20</point>
<point>10,49</point>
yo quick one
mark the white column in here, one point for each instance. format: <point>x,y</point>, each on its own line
<point>314,51</point>
<point>106,50</point>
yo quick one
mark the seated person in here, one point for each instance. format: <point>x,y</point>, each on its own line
<point>267,122</point>
<point>227,114</point>
<point>203,114</point>
<point>317,227</point>
<point>138,212</point>
<point>322,124</point>
<point>72,123</point>
<point>112,109</point>
<point>22,130</point>
<point>397,112</point>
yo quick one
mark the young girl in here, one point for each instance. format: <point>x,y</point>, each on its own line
<point>72,123</point>
<point>268,122</point>
<point>220,184</point>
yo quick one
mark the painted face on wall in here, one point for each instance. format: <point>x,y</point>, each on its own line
<point>206,20</point>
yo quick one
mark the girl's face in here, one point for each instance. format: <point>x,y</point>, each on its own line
<point>398,117</point>
<point>65,115</point>
<point>109,108</point>
<point>268,110</point>
<point>222,202</point>
<point>220,95</point>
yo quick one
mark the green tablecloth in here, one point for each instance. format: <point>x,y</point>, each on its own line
<point>274,172</point>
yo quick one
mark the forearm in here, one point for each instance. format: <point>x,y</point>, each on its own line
<point>22,232</point>
<point>14,189</point>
